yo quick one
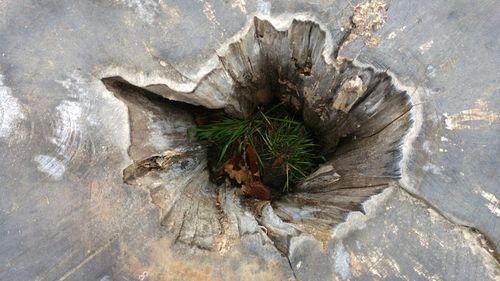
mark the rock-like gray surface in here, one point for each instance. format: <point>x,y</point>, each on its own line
<point>67,214</point>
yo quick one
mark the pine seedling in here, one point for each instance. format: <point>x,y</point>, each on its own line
<point>278,139</point>
<point>291,147</point>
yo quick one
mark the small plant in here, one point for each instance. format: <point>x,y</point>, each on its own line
<point>270,141</point>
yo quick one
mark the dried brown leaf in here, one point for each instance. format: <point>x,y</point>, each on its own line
<point>240,176</point>
<point>257,190</point>
<point>279,161</point>
<point>251,157</point>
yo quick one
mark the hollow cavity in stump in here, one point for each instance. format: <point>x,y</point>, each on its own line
<point>358,116</point>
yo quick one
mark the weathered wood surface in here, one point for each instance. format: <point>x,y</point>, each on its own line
<point>66,214</point>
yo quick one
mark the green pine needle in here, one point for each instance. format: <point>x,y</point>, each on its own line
<point>275,131</point>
